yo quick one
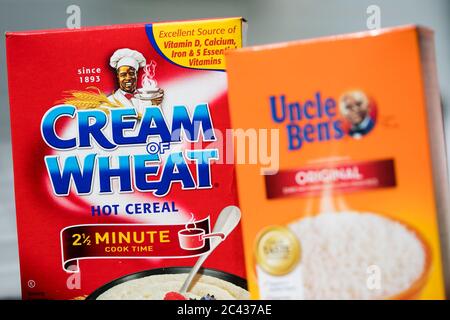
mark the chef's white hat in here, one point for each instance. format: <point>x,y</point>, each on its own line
<point>127,57</point>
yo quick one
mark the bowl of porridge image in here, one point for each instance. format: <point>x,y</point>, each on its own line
<point>164,284</point>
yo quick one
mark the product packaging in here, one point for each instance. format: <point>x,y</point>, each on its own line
<point>119,174</point>
<point>348,205</point>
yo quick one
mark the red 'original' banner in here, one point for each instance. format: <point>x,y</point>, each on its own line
<point>339,178</point>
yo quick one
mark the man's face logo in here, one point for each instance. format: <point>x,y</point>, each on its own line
<point>355,107</point>
<point>127,77</point>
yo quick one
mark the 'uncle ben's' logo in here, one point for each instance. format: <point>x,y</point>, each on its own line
<point>323,119</point>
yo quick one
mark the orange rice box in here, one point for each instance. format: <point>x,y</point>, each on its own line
<point>350,178</point>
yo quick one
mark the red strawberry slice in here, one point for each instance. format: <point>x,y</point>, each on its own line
<point>174,296</point>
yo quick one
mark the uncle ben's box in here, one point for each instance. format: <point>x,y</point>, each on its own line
<point>119,173</point>
<point>348,207</point>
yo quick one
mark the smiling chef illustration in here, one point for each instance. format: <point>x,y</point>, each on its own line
<point>127,63</point>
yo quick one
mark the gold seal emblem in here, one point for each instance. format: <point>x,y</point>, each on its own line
<point>277,250</point>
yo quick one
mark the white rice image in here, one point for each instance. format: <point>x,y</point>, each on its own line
<point>155,287</point>
<point>338,248</point>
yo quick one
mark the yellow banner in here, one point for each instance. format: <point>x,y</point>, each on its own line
<point>198,44</point>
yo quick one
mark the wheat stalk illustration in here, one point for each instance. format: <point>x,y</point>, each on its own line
<point>92,98</point>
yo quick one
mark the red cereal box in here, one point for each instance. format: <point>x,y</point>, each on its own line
<point>120,182</point>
